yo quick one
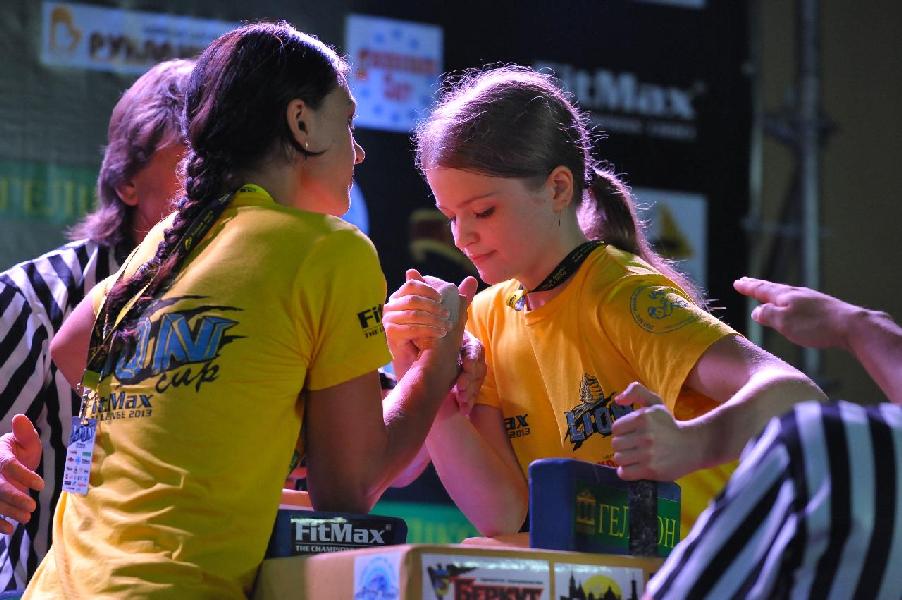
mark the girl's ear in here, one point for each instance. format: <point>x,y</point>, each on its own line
<point>560,186</point>
<point>299,119</point>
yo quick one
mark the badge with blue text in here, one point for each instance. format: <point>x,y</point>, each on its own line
<point>79,451</point>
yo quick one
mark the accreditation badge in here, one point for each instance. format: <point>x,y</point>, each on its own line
<point>79,452</point>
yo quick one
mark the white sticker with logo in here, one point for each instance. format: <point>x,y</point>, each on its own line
<point>377,576</point>
<point>447,577</point>
<point>576,582</point>
<point>125,41</point>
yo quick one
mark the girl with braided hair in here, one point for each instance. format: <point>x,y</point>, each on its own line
<point>249,312</point>
<point>595,347</point>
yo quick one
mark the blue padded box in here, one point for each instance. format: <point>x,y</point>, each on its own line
<point>298,532</point>
<point>581,506</point>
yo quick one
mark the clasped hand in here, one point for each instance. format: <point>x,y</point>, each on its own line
<point>414,318</point>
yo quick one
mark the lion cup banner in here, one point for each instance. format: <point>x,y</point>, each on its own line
<point>107,39</point>
<point>395,69</point>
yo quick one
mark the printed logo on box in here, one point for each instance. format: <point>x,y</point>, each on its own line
<point>376,577</point>
<point>110,39</point>
<point>578,582</point>
<point>395,69</point>
<point>602,514</point>
<point>447,577</point>
<point>321,535</point>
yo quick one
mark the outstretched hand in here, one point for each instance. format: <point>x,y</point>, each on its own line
<point>648,443</point>
<point>20,453</point>
<point>802,315</point>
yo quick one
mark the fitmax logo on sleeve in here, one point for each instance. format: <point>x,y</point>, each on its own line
<point>371,321</point>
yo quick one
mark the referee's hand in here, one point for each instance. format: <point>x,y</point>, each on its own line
<point>20,453</point>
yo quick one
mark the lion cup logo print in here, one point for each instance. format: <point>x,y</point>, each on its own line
<point>176,348</point>
<point>658,309</point>
<point>595,412</point>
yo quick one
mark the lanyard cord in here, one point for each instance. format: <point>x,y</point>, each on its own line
<point>561,273</point>
<point>98,365</point>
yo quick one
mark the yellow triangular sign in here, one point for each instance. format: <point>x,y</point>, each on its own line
<point>670,241</point>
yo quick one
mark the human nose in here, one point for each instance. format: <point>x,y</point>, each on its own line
<point>359,153</point>
<point>462,233</point>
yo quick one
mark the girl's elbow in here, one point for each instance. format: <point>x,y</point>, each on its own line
<point>504,521</point>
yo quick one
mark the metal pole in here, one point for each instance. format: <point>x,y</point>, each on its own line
<point>808,20</point>
<point>754,229</point>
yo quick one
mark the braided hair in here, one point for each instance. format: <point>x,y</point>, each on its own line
<point>234,120</point>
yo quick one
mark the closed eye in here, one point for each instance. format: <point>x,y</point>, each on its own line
<point>485,213</point>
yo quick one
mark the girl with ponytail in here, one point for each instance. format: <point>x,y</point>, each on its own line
<point>249,312</point>
<point>595,347</point>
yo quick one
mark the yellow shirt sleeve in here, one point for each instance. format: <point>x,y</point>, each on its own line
<point>342,298</point>
<point>659,331</point>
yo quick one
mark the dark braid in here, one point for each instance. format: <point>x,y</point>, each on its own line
<point>235,120</point>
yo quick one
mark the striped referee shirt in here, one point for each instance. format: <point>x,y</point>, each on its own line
<point>813,511</point>
<point>35,297</point>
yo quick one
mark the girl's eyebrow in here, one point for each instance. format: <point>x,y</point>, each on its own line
<point>469,200</point>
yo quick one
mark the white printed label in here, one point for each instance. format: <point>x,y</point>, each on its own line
<point>78,456</point>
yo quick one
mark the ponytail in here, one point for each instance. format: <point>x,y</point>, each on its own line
<point>608,213</point>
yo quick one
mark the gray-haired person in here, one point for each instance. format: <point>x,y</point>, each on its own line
<point>137,179</point>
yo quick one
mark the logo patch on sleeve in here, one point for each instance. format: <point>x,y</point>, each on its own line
<point>371,321</point>
<point>659,309</point>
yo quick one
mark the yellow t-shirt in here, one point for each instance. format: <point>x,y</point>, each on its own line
<point>196,428</point>
<point>553,371</point>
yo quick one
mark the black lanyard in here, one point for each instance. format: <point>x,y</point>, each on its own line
<point>561,273</point>
<point>99,353</point>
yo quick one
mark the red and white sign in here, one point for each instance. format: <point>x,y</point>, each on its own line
<point>448,577</point>
<point>395,70</point>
